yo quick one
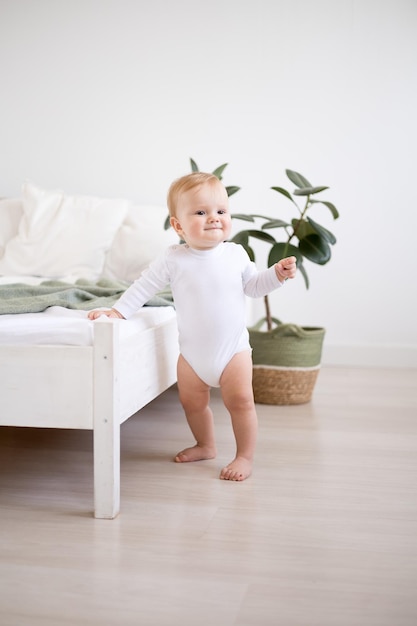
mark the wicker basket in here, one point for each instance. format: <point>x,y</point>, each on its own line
<point>283,385</point>
<point>286,362</point>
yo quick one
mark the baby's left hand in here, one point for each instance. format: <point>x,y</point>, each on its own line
<point>286,268</point>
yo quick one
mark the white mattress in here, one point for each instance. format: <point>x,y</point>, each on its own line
<point>60,326</point>
<point>67,327</point>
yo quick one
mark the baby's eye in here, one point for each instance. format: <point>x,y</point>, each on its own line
<point>200,213</point>
<point>221,211</point>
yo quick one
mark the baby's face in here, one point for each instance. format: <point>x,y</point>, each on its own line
<point>202,219</point>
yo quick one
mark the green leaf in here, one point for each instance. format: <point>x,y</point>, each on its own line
<point>275,224</point>
<point>301,228</point>
<point>260,234</point>
<point>167,223</point>
<point>320,230</point>
<point>262,217</point>
<point>242,216</point>
<point>329,205</point>
<point>194,166</point>
<point>284,192</point>
<point>219,171</point>
<point>308,191</point>
<point>281,251</point>
<point>250,217</point>
<point>304,275</point>
<point>250,252</point>
<point>297,179</point>
<point>231,190</point>
<point>242,237</point>
<point>315,249</point>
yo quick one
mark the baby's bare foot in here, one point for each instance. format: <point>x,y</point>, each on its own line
<point>238,470</point>
<point>195,453</point>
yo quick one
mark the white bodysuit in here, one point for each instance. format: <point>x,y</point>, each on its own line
<point>209,288</point>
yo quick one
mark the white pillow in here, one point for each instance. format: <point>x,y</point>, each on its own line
<point>140,239</point>
<point>62,235</point>
<point>11,211</point>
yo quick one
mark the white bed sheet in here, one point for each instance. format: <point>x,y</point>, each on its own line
<point>60,326</point>
<point>67,327</point>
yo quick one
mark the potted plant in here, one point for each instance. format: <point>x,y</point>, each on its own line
<point>286,357</point>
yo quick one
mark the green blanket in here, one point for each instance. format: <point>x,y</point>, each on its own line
<point>83,294</point>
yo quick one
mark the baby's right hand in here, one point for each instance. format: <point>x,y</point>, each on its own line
<point>93,315</point>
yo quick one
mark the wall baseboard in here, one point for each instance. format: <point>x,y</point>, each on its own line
<point>370,355</point>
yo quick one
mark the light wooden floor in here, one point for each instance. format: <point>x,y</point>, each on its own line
<point>323,534</point>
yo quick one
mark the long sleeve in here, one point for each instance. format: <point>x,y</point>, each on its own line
<point>258,284</point>
<point>152,280</point>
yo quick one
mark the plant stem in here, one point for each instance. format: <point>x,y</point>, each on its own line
<point>303,212</point>
<point>268,313</point>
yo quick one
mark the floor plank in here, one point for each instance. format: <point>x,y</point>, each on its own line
<point>323,533</point>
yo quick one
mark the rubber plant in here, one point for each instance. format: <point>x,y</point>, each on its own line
<point>303,237</point>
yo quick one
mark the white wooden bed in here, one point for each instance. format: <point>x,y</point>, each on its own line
<point>94,387</point>
<point>101,383</point>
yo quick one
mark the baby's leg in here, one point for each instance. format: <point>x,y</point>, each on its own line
<point>236,388</point>
<point>195,396</point>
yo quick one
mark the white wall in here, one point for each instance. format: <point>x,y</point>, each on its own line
<point>111,97</point>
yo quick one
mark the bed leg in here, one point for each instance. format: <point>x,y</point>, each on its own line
<point>106,420</point>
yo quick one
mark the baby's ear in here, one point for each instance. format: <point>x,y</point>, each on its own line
<point>175,224</point>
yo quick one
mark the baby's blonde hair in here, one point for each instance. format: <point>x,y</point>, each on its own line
<point>186,183</point>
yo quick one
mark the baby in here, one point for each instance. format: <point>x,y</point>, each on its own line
<point>209,278</point>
